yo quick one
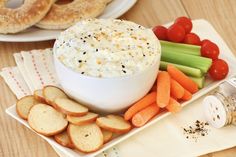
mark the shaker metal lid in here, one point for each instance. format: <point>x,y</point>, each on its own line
<point>214,111</point>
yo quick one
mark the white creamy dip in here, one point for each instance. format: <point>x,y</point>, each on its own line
<point>107,48</point>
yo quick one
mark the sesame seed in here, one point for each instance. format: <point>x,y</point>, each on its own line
<point>84,52</point>
<point>96,50</point>
<point>79,61</point>
<point>124,71</point>
<point>123,66</point>
<point>82,72</point>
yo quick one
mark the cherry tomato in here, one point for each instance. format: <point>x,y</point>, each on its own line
<point>185,22</point>
<point>160,32</point>
<point>210,50</point>
<point>176,33</point>
<point>192,38</point>
<point>219,69</point>
<point>204,41</point>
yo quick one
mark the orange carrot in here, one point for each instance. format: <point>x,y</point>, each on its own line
<point>182,79</point>
<point>143,116</point>
<point>163,89</point>
<point>187,95</point>
<point>141,104</point>
<point>176,90</point>
<point>173,106</point>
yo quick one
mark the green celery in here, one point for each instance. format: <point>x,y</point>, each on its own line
<point>180,48</point>
<point>199,81</point>
<point>185,69</point>
<point>198,62</point>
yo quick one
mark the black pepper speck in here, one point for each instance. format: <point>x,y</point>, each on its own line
<point>197,130</point>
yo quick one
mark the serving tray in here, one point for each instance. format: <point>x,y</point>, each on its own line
<point>204,30</point>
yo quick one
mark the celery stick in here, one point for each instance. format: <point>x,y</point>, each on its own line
<point>187,70</point>
<point>199,81</point>
<point>198,62</point>
<point>180,48</point>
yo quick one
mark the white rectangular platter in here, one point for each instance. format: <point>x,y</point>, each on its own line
<point>205,31</point>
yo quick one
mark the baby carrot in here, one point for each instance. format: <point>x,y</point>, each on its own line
<point>143,116</point>
<point>182,79</point>
<point>187,95</point>
<point>176,90</point>
<point>139,105</point>
<point>173,106</point>
<point>163,89</point>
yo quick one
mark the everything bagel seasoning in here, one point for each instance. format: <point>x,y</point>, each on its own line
<point>196,130</point>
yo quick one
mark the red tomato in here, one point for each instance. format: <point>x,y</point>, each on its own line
<point>185,22</point>
<point>219,69</point>
<point>160,32</point>
<point>176,33</point>
<point>192,38</point>
<point>210,50</point>
<point>204,41</point>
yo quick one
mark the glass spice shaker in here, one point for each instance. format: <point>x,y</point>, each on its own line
<point>220,106</point>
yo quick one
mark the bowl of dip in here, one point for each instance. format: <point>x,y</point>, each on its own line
<point>107,64</point>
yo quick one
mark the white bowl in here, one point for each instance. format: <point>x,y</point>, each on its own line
<point>107,95</point>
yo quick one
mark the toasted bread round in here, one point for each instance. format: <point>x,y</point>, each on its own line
<point>28,14</point>
<point>64,140</point>
<point>88,118</point>
<point>45,120</point>
<point>50,93</point>
<point>113,123</point>
<point>62,16</point>
<point>24,105</point>
<point>38,95</point>
<point>107,135</point>
<point>70,107</point>
<point>86,138</point>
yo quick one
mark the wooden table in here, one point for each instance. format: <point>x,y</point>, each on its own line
<point>16,140</point>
